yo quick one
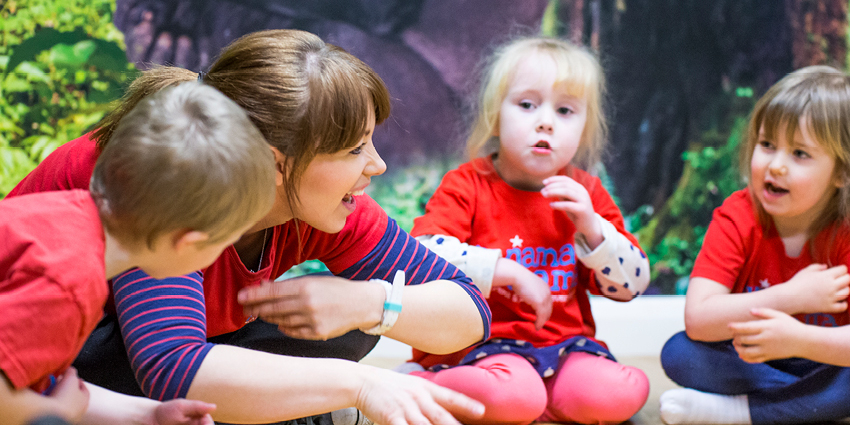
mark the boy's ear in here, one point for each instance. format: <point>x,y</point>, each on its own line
<point>186,238</point>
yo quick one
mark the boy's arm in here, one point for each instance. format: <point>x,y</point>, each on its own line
<point>710,307</point>
<point>776,335</point>
<point>108,407</point>
<point>68,400</point>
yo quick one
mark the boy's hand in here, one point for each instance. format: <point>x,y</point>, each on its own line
<point>71,394</point>
<point>574,200</point>
<point>818,289</point>
<point>776,336</point>
<point>392,398</point>
<point>529,287</point>
<point>184,412</point>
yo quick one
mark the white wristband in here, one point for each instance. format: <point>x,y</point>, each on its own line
<point>392,304</point>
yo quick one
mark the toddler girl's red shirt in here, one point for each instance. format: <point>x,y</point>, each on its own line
<point>741,254</point>
<point>476,206</point>
<point>52,283</point>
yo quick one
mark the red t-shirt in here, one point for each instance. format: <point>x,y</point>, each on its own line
<point>476,206</point>
<point>52,283</point>
<point>72,164</point>
<point>741,254</point>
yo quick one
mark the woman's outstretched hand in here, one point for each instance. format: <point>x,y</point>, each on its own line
<point>392,398</point>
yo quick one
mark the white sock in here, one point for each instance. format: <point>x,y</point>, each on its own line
<point>687,406</point>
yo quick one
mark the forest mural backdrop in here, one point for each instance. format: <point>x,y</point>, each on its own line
<point>682,75</point>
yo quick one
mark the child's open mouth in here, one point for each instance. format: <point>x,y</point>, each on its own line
<point>349,197</point>
<point>774,189</point>
<point>542,147</point>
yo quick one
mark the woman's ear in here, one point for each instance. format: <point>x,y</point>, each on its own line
<point>280,161</point>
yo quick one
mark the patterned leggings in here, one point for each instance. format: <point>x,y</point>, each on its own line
<point>586,389</point>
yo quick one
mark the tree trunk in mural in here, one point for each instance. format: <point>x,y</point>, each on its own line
<point>666,62</point>
<point>426,50</point>
<point>819,29</point>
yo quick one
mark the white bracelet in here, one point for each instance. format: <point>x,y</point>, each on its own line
<point>392,304</point>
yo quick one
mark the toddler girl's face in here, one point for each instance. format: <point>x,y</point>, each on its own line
<point>792,179</point>
<point>540,124</point>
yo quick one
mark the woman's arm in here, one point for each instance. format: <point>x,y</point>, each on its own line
<point>108,408</point>
<point>442,311</point>
<point>710,307</point>
<point>255,387</point>
<point>163,322</point>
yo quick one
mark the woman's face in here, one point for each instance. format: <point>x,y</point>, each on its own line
<point>330,185</point>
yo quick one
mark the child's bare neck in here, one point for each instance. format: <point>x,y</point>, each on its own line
<point>517,179</point>
<point>117,258</point>
<point>794,236</point>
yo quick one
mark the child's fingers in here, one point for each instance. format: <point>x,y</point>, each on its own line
<point>745,328</point>
<point>265,292</point>
<point>767,313</point>
<point>456,403</point>
<point>544,312</point>
<point>838,270</point>
<point>197,409</point>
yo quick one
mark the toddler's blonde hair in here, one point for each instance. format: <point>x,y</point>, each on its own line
<point>577,69</point>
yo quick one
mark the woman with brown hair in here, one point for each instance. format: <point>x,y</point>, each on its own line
<point>317,107</point>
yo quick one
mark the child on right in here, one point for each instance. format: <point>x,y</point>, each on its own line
<point>184,175</point>
<point>536,233</point>
<point>766,339</point>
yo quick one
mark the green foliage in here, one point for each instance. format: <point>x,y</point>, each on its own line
<point>61,63</point>
<point>673,235</point>
<point>404,194</point>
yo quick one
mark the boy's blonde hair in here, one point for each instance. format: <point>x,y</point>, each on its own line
<point>577,69</point>
<point>305,96</point>
<point>820,95</point>
<point>184,158</point>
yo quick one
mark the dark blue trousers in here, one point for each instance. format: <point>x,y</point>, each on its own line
<point>788,391</point>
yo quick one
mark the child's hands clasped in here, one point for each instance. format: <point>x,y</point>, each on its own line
<point>776,336</point>
<point>818,289</point>
<point>574,200</point>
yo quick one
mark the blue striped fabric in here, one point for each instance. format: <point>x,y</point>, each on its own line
<point>164,321</point>
<point>397,250</point>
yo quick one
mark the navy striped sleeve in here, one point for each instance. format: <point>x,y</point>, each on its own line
<point>397,250</point>
<point>163,323</point>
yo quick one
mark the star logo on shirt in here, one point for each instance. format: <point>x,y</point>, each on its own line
<point>764,283</point>
<point>516,241</point>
